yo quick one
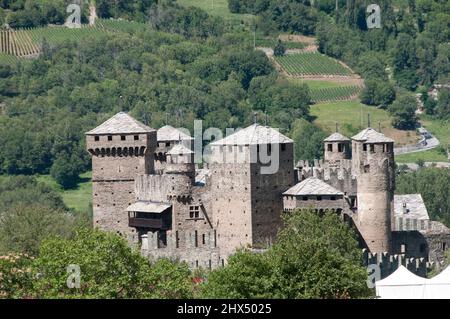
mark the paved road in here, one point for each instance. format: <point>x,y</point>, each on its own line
<point>428,142</point>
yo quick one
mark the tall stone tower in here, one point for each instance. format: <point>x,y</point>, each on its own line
<point>337,148</point>
<point>121,148</point>
<point>373,164</point>
<point>247,195</point>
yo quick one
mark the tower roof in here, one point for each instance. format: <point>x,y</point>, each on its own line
<point>410,206</point>
<point>179,149</point>
<point>253,135</point>
<point>312,186</point>
<point>336,137</point>
<point>369,135</point>
<point>169,133</point>
<point>121,123</point>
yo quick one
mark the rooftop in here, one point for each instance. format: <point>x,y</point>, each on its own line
<point>254,135</point>
<point>369,135</point>
<point>169,133</point>
<point>179,149</point>
<point>410,206</point>
<point>121,123</point>
<point>336,137</point>
<point>312,186</point>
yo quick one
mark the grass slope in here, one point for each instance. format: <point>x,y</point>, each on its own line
<point>218,8</point>
<point>352,117</point>
<point>78,198</point>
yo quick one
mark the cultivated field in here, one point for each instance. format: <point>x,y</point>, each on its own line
<point>311,64</point>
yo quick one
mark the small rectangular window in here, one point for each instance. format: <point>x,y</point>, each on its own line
<point>167,144</point>
<point>136,137</point>
<point>372,148</point>
<point>123,138</point>
<point>364,147</point>
<point>194,212</point>
<point>97,138</point>
<point>283,147</point>
<point>109,138</point>
<point>330,147</point>
<point>340,147</point>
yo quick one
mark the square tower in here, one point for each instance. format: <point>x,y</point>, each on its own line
<point>122,148</point>
<point>250,170</point>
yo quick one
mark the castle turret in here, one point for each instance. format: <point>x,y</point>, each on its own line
<point>373,164</point>
<point>181,167</point>
<point>337,148</point>
<point>168,137</point>
<point>122,148</point>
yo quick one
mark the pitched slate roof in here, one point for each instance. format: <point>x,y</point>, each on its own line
<point>410,206</point>
<point>312,186</point>
<point>369,135</point>
<point>169,133</point>
<point>336,137</point>
<point>121,123</point>
<point>148,207</point>
<point>254,135</point>
<point>179,149</point>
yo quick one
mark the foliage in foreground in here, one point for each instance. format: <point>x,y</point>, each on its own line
<point>109,268</point>
<point>314,257</point>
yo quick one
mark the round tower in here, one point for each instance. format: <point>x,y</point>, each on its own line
<point>337,148</point>
<point>181,168</point>
<point>373,165</point>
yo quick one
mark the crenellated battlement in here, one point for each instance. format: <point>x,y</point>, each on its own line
<point>389,263</point>
<point>340,177</point>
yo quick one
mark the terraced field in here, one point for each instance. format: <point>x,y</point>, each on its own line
<point>311,64</point>
<point>16,44</point>
<point>334,93</point>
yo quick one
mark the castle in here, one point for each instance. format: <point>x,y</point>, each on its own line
<point>147,188</point>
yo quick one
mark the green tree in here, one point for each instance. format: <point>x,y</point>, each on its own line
<point>314,257</point>
<point>403,112</point>
<point>109,268</point>
<point>24,226</point>
<point>443,104</point>
<point>308,140</point>
<point>279,49</point>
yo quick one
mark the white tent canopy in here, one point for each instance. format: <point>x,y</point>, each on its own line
<point>403,284</point>
<point>439,286</point>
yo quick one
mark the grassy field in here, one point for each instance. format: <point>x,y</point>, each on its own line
<point>352,117</point>
<point>79,198</point>
<point>311,64</point>
<point>427,156</point>
<point>218,8</point>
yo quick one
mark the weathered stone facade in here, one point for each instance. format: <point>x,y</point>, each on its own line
<point>150,191</point>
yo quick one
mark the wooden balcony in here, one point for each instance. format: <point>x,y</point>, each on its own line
<point>145,223</point>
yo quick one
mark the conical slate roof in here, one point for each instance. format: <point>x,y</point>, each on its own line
<point>254,135</point>
<point>312,186</point>
<point>369,135</point>
<point>169,133</point>
<point>121,123</point>
<point>336,137</point>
